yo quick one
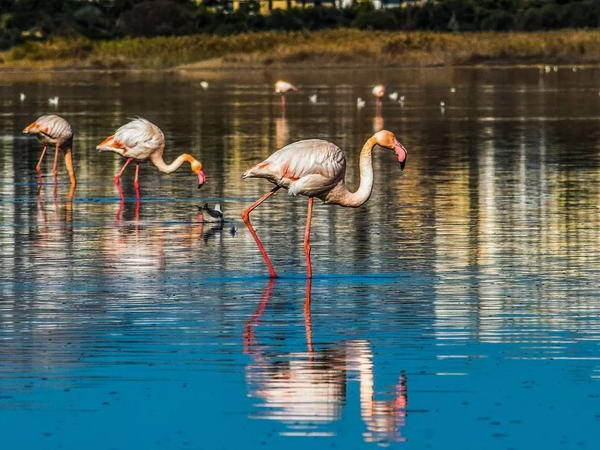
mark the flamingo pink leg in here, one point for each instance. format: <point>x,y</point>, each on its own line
<point>246,218</point>
<point>307,238</point>
<point>117,178</point>
<point>136,182</point>
<point>55,165</point>
<point>38,167</point>
<point>253,321</point>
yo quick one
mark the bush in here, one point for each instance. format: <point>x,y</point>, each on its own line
<point>156,18</point>
<point>375,20</point>
<point>34,20</point>
<point>498,21</point>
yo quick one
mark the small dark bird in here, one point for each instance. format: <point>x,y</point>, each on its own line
<point>215,212</point>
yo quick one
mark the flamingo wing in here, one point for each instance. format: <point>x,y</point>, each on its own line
<point>136,139</point>
<point>52,127</point>
<point>314,164</point>
<point>140,134</point>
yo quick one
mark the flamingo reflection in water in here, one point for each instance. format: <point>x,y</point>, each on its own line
<point>308,388</point>
<point>56,231</point>
<point>378,121</point>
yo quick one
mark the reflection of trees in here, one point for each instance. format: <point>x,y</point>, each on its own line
<point>504,189</point>
<point>306,388</point>
<point>518,227</point>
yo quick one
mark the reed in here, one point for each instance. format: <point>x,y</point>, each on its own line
<point>321,48</point>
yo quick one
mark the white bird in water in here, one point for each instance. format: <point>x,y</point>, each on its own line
<point>312,98</point>
<point>53,101</point>
<point>547,69</point>
<point>452,90</point>
<point>22,97</point>
<point>393,96</point>
<point>204,84</point>
<point>442,107</point>
<point>317,168</point>
<point>555,68</point>
<point>360,103</point>
<point>140,140</point>
<point>54,130</point>
<point>401,100</point>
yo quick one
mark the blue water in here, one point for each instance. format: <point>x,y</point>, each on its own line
<point>458,309</point>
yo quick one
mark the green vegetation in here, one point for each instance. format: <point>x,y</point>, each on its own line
<point>167,33</point>
<point>344,47</point>
<point>39,20</point>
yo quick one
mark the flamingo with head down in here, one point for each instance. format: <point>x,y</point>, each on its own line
<point>54,130</point>
<point>282,88</point>
<point>317,168</point>
<point>140,140</point>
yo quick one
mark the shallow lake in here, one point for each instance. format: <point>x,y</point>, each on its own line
<point>458,309</point>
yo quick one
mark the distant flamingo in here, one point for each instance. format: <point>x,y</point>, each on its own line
<point>54,130</point>
<point>282,88</point>
<point>378,92</point>
<point>139,140</point>
<point>317,168</point>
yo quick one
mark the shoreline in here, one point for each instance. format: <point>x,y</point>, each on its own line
<point>333,49</point>
<point>191,68</point>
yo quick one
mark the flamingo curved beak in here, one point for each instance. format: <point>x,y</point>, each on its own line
<point>401,154</point>
<point>201,179</point>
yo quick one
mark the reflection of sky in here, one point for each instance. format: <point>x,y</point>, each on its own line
<point>478,268</point>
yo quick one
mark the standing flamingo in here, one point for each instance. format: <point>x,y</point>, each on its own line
<point>378,92</point>
<point>282,88</point>
<point>54,130</point>
<point>317,168</point>
<point>139,140</point>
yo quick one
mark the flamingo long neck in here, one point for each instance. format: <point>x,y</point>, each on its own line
<point>159,162</point>
<point>362,194</point>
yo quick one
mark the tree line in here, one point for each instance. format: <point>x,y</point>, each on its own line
<point>22,20</point>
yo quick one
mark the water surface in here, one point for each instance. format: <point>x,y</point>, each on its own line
<point>459,308</point>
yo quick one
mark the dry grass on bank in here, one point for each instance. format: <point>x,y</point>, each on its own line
<point>325,48</point>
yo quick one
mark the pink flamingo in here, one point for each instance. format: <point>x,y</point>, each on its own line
<point>378,92</point>
<point>54,130</point>
<point>282,88</point>
<point>139,140</point>
<point>317,168</point>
